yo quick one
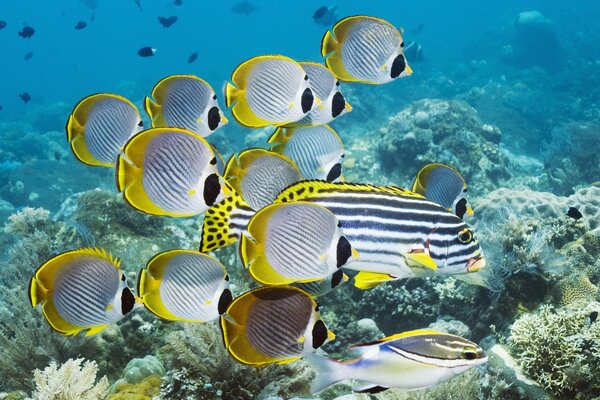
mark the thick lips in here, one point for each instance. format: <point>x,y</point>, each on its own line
<point>475,264</point>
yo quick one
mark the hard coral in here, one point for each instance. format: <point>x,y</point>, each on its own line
<point>559,349</point>
<point>433,130</point>
<point>71,381</point>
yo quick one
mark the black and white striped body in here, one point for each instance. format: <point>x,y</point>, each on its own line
<point>386,225</point>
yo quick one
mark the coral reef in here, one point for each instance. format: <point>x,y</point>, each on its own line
<point>559,349</point>
<point>70,381</point>
<point>200,367</point>
<point>138,370</point>
<point>447,131</point>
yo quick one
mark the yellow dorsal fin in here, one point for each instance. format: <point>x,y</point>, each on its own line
<point>161,89</point>
<point>311,188</point>
<point>279,139</point>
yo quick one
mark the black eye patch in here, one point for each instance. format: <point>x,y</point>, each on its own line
<point>307,100</point>
<point>336,278</point>
<point>127,301</point>
<point>214,117</point>
<point>344,251</point>
<point>398,66</point>
<point>319,334</point>
<point>338,104</point>
<point>334,173</point>
<point>461,208</point>
<point>212,188</point>
<point>224,301</point>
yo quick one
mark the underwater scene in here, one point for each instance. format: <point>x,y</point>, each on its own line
<point>254,199</point>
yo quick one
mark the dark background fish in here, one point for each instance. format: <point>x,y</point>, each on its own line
<point>167,21</point>
<point>243,7</point>
<point>27,32</point>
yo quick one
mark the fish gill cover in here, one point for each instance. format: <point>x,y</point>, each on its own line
<point>495,286</point>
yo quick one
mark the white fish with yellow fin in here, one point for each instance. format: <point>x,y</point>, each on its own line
<point>185,101</point>
<point>326,87</point>
<point>99,126</point>
<point>269,90</point>
<point>184,285</point>
<point>410,361</point>
<point>365,49</point>
<point>82,290</point>
<point>318,151</point>
<point>273,324</point>
<point>294,242</point>
<point>170,172</point>
<point>444,185</point>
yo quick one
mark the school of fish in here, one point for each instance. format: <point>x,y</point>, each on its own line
<point>302,229</point>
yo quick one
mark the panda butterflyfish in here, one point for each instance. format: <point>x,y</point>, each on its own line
<point>80,290</point>
<point>99,126</point>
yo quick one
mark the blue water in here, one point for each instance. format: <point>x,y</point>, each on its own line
<point>517,111</point>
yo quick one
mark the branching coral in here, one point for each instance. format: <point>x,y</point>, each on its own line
<point>71,381</point>
<point>559,349</point>
<point>201,368</point>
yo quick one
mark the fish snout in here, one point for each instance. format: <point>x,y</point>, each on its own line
<point>475,264</point>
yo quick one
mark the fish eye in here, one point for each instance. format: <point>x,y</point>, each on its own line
<point>141,124</point>
<point>465,236</point>
<point>337,83</point>
<point>123,277</point>
<point>468,354</point>
<point>305,77</point>
<point>402,44</point>
<point>214,97</point>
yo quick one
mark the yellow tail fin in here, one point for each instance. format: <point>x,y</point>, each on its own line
<point>225,222</point>
<point>232,94</point>
<point>154,112</point>
<point>367,280</point>
<point>328,44</point>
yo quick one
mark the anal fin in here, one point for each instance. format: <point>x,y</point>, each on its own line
<point>371,389</point>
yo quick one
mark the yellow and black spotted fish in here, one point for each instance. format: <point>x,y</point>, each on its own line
<point>398,233</point>
<point>83,289</point>
<point>276,324</point>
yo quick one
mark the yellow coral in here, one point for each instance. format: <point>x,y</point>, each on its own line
<point>146,389</point>
<point>576,289</point>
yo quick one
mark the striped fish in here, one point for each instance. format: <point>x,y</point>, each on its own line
<point>409,361</point>
<point>444,185</point>
<point>184,285</point>
<point>323,286</point>
<point>269,90</point>
<point>185,101</point>
<point>169,171</point>
<point>260,175</point>
<point>99,126</point>
<point>365,49</point>
<point>398,234</point>
<point>82,289</point>
<point>327,88</point>
<point>275,324</point>
<point>317,151</point>
<point>294,242</point>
